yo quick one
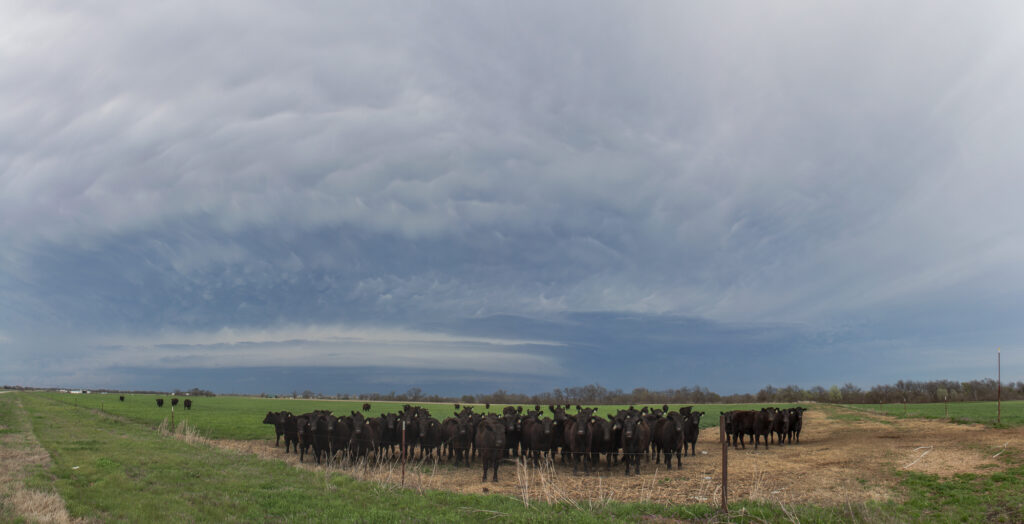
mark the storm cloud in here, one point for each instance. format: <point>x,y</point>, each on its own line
<point>521,194</point>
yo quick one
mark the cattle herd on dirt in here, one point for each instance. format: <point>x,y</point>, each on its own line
<point>783,424</point>
<point>627,437</point>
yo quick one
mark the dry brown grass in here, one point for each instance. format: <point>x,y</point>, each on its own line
<point>838,463</point>
<point>183,431</point>
<point>20,452</point>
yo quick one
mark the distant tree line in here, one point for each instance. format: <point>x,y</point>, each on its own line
<point>904,390</point>
<point>195,392</point>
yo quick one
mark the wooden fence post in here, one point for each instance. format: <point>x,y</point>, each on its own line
<point>403,453</point>
<point>725,463</point>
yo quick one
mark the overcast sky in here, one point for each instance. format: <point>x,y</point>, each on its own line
<point>247,196</point>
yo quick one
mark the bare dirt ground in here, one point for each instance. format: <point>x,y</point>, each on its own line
<point>843,457</point>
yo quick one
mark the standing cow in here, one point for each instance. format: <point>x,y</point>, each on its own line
<point>780,424</point>
<point>188,404</point>
<point>668,438</point>
<point>691,428</point>
<point>278,420</point>
<point>159,402</point>
<point>796,423</point>
<point>636,438</point>
<point>490,441</point>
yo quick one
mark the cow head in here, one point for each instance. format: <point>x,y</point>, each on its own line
<point>546,425</point>
<point>585,420</point>
<point>270,418</point>
<point>629,423</point>
<point>358,423</point>
<point>676,421</point>
<point>510,420</point>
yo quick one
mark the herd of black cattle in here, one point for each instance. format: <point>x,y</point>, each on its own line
<point>579,438</point>
<point>174,402</point>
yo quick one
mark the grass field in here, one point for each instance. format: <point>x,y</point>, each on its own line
<point>118,469</point>
<point>240,418</point>
<point>963,412</point>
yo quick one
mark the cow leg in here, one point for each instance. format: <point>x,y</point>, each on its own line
<point>679,458</point>
<point>496,462</point>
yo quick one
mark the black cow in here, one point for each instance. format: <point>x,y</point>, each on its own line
<point>560,420</point>
<point>538,436</point>
<point>341,437</point>
<point>412,430</point>
<point>691,428</point>
<point>365,435</point>
<point>796,423</point>
<point>579,435</point>
<point>513,430</point>
<point>457,434</point>
<point>291,433</point>
<point>278,420</point>
<point>188,404</point>
<point>322,428</point>
<point>490,440</point>
<point>121,398</point>
<point>636,439</point>
<point>780,424</point>
<point>159,402</point>
<point>304,434</point>
<point>668,438</point>
<point>390,433</point>
<point>762,426</point>
<point>738,424</point>
<point>431,437</point>
<point>603,441</point>
<point>174,401</point>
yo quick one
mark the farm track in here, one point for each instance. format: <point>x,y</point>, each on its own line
<point>20,454</point>
<point>844,457</point>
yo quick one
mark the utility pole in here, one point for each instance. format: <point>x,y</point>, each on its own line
<point>999,386</point>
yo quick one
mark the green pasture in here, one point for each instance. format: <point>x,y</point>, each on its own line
<point>241,418</point>
<point>118,469</point>
<point>962,412</point>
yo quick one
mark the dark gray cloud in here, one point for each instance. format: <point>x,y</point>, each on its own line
<point>844,176</point>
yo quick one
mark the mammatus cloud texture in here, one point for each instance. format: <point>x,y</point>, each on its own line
<point>466,197</point>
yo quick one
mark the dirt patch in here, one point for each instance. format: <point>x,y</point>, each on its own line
<point>838,461</point>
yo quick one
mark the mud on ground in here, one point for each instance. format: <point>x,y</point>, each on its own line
<point>844,456</point>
